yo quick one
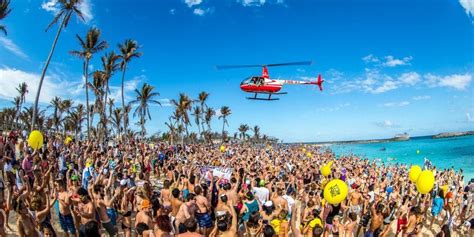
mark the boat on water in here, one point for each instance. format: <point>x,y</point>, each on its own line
<point>401,137</point>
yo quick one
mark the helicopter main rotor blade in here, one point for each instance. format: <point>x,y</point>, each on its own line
<point>221,67</point>
<point>289,64</point>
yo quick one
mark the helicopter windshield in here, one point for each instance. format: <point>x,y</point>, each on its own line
<point>250,81</point>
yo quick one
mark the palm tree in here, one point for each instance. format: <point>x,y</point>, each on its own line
<point>128,51</point>
<point>183,106</point>
<point>125,113</point>
<point>116,119</point>
<point>81,113</point>
<point>17,105</point>
<point>202,97</point>
<point>56,104</point>
<point>243,128</point>
<point>172,130</point>
<point>225,112</point>
<point>89,47</point>
<point>144,98</point>
<point>4,11</point>
<point>66,9</point>
<point>66,105</point>
<point>97,87</point>
<point>7,117</point>
<point>208,114</point>
<point>197,118</point>
<point>256,133</point>
<point>110,66</point>
<point>22,89</point>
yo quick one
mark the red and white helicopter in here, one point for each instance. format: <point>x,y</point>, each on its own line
<point>264,85</point>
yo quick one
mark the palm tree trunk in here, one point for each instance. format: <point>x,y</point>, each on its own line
<point>86,70</point>
<point>35,108</point>
<point>123,101</point>
<point>142,123</point>
<point>105,110</point>
<point>223,125</point>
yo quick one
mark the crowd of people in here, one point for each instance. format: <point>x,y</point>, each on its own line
<point>130,188</point>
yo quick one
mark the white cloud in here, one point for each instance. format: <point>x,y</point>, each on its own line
<point>409,78</point>
<point>9,45</point>
<point>390,61</point>
<point>422,97</point>
<point>456,81</point>
<point>53,85</point>
<point>370,59</point>
<point>199,12</point>
<point>128,89</point>
<point>50,6</point>
<point>191,3</point>
<point>255,3</point>
<point>469,118</point>
<point>386,124</point>
<point>468,6</point>
<point>172,11</point>
<point>396,104</point>
<point>386,86</point>
<point>84,6</point>
<point>165,102</point>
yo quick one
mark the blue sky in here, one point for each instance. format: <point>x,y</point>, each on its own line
<point>390,66</point>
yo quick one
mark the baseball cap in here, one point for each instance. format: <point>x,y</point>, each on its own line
<point>146,204</point>
<point>268,203</point>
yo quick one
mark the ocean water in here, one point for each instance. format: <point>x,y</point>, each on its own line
<point>457,152</point>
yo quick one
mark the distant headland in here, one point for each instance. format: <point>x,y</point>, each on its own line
<point>452,134</point>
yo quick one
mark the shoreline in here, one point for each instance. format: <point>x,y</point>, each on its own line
<point>382,140</point>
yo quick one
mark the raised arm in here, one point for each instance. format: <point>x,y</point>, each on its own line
<point>296,231</point>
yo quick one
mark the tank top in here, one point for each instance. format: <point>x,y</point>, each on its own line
<point>251,207</point>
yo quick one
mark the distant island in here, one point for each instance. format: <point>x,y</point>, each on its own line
<point>452,134</point>
<point>398,137</point>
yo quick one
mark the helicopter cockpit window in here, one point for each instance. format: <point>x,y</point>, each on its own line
<point>251,81</point>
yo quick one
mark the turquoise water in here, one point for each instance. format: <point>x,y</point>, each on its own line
<point>443,153</point>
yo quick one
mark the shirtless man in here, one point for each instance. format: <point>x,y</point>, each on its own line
<point>186,211</point>
<point>191,228</point>
<point>65,218</point>
<point>202,215</point>
<point>175,203</point>
<point>377,220</point>
<point>85,209</point>
<point>278,201</point>
<point>355,200</point>
<point>221,229</point>
<point>143,216</point>
<point>101,205</point>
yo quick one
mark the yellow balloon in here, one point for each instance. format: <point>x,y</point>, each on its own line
<point>325,170</point>
<point>425,182</point>
<point>222,148</point>
<point>67,140</point>
<point>35,140</point>
<point>414,172</point>
<point>304,149</point>
<point>308,154</point>
<point>335,191</point>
